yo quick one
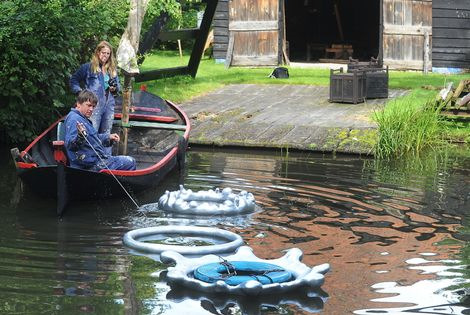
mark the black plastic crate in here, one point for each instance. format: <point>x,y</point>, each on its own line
<point>347,87</point>
<point>376,85</point>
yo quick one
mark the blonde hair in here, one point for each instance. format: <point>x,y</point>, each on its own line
<point>110,65</point>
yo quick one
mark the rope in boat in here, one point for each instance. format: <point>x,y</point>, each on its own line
<point>83,134</point>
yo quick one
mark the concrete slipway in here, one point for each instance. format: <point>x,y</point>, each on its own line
<point>283,116</point>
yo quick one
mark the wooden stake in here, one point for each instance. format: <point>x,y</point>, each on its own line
<point>426,53</point>
<point>126,103</point>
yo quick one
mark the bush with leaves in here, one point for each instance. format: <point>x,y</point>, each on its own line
<point>41,44</point>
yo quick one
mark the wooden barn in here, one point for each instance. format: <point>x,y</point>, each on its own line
<point>405,34</point>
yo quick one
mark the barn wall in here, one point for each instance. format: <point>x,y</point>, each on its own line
<point>220,26</point>
<point>254,33</point>
<point>451,33</point>
<point>405,25</point>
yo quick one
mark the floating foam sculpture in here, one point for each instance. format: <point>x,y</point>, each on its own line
<point>302,275</point>
<point>233,241</point>
<point>207,202</point>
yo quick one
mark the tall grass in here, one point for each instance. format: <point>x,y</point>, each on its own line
<point>407,125</point>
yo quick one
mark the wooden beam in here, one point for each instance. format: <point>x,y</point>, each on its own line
<point>427,53</point>
<point>204,29</point>
<point>182,34</point>
<point>338,21</point>
<point>228,57</point>
<point>161,73</point>
<point>253,26</point>
<point>151,37</point>
<point>251,60</point>
<point>147,124</point>
<point>390,29</point>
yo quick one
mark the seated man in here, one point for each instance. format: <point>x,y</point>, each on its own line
<point>84,145</point>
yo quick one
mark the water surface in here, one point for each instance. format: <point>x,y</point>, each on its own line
<point>394,233</point>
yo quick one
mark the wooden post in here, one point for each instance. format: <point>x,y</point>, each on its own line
<point>198,48</point>
<point>228,57</point>
<point>426,53</point>
<point>338,22</point>
<point>126,103</point>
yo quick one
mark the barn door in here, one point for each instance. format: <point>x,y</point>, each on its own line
<point>407,33</point>
<point>254,33</point>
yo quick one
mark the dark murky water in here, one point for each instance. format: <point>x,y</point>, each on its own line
<point>394,233</point>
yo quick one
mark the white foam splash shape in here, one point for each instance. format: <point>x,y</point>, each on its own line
<point>207,202</point>
<point>303,276</point>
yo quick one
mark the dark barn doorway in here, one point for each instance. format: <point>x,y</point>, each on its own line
<point>332,30</point>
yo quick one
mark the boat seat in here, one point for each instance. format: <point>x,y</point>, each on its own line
<point>59,144</point>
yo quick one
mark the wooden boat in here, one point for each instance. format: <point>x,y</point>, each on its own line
<point>157,138</point>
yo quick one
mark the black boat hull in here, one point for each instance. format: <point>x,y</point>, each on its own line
<point>87,185</point>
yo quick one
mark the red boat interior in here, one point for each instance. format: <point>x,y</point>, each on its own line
<point>152,133</point>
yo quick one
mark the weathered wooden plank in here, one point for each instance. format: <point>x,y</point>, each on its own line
<point>221,15</point>
<point>455,23</point>
<point>445,63</point>
<point>221,38</point>
<point>220,23</point>
<point>398,12</point>
<point>450,42</point>
<point>451,13</point>
<point>229,56</point>
<point>452,33</point>
<point>255,43</point>
<point>450,55</point>
<point>422,13</point>
<point>404,64</point>
<point>402,47</point>
<point>406,29</point>
<point>388,12</point>
<point>449,50</point>
<point>255,60</point>
<point>221,32</point>
<point>221,46</point>
<point>222,6</point>
<point>253,25</point>
<point>247,10</point>
<point>451,4</point>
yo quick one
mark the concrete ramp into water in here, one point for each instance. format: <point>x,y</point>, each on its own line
<point>283,116</point>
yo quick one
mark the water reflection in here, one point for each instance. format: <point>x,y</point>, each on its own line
<point>310,301</point>
<point>376,223</point>
<point>427,296</point>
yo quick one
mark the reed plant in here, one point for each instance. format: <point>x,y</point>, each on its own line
<point>408,125</point>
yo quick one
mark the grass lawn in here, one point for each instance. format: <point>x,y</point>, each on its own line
<point>211,76</point>
<point>404,125</point>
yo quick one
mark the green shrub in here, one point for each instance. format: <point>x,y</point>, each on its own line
<point>41,44</point>
<point>407,125</point>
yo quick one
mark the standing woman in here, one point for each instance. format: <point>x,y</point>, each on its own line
<point>99,76</point>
